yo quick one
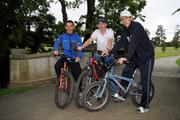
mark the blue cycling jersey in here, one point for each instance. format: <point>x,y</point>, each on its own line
<point>68,42</point>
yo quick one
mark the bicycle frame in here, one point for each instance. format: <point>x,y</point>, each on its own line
<point>92,63</point>
<point>61,76</point>
<point>116,78</point>
<point>65,68</point>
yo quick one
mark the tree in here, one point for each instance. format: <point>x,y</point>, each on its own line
<point>176,11</point>
<point>160,35</point>
<point>63,10</point>
<point>176,38</point>
<point>25,20</point>
<point>155,41</point>
<point>90,13</point>
<point>112,9</point>
<point>8,23</point>
<point>102,8</point>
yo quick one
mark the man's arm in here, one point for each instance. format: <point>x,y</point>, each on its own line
<point>136,33</point>
<point>87,43</point>
<point>110,40</point>
<point>110,44</point>
<point>56,45</point>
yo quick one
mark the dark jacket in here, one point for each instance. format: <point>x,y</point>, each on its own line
<point>138,42</point>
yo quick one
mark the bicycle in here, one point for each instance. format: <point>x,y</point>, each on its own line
<point>97,96</point>
<point>64,84</point>
<point>92,72</point>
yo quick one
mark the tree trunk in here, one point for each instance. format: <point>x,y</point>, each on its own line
<point>90,13</point>
<point>63,10</point>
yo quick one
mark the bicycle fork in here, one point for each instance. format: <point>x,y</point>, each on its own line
<point>100,91</point>
<point>61,85</point>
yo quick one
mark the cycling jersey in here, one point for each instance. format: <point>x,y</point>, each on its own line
<point>69,42</point>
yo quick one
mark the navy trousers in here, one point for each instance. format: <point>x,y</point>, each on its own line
<point>145,72</point>
<point>75,68</point>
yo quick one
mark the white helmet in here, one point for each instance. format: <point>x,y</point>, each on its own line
<point>125,13</point>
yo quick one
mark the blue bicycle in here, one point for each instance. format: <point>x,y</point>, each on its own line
<point>97,95</point>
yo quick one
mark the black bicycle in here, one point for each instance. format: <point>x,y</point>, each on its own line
<point>92,72</point>
<point>64,84</point>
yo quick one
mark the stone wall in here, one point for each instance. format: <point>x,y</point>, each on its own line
<point>33,69</point>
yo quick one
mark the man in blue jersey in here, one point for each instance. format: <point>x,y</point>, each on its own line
<point>69,42</point>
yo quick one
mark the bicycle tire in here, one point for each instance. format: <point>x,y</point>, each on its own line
<point>83,81</point>
<point>60,102</point>
<point>136,98</point>
<point>87,92</point>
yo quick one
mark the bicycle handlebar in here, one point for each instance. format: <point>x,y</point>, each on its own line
<point>64,57</point>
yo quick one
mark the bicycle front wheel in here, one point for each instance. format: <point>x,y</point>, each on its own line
<point>84,80</point>
<point>64,90</point>
<point>92,101</point>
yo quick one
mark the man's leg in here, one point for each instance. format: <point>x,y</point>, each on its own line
<point>146,71</point>
<point>58,67</point>
<point>128,72</point>
<point>76,70</point>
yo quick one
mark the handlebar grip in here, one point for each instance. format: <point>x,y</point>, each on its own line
<point>126,62</point>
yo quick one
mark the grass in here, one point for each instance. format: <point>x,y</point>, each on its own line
<point>178,61</point>
<point>9,91</point>
<point>170,51</point>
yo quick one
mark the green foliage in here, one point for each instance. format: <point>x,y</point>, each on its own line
<point>178,61</point>
<point>9,23</point>
<point>74,4</point>
<point>26,24</point>
<point>164,47</point>
<point>170,51</point>
<point>112,9</point>
<point>176,38</point>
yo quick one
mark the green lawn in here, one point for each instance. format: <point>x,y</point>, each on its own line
<point>178,61</point>
<point>9,91</point>
<point>170,51</point>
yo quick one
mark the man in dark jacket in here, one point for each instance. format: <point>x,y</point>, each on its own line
<point>140,53</point>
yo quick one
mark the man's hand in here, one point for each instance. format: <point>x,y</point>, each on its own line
<point>79,48</point>
<point>121,60</point>
<point>55,53</point>
<point>78,59</point>
<point>104,53</point>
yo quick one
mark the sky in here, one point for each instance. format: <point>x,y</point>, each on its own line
<point>157,12</point>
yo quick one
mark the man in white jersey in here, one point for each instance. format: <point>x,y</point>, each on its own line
<point>105,38</point>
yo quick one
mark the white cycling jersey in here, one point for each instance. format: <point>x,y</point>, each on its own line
<point>102,40</point>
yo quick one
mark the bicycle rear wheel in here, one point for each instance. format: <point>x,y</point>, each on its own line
<point>84,80</point>
<point>136,98</point>
<point>91,100</point>
<point>64,93</point>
